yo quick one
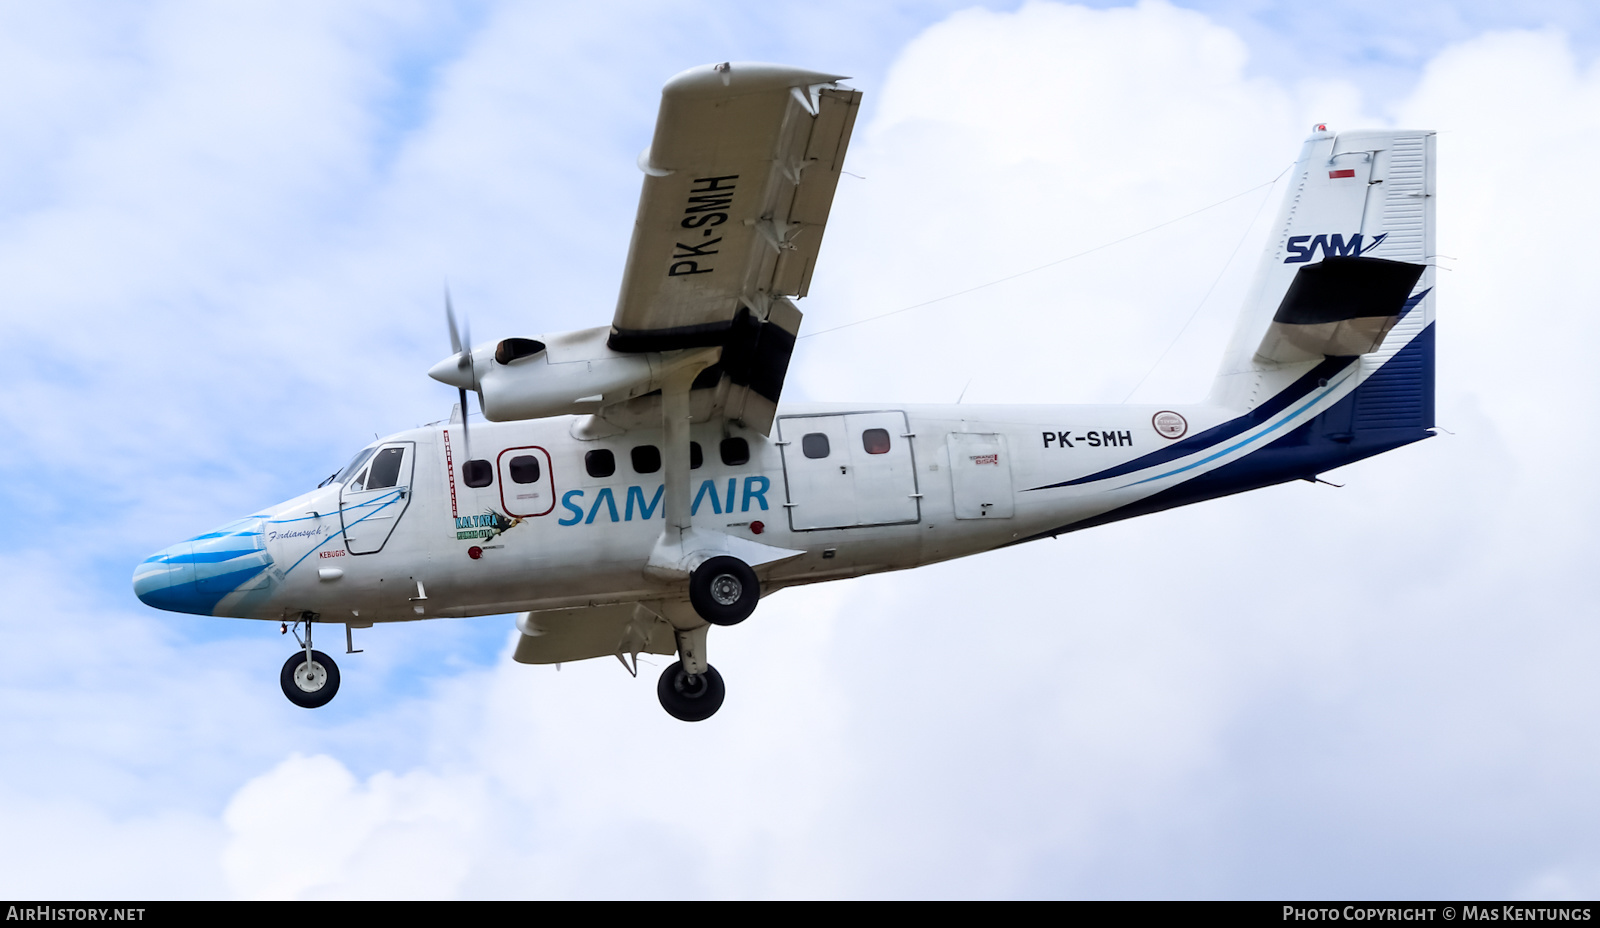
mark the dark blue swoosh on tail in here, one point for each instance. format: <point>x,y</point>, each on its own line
<point>1215,435</point>
<point>1393,407</point>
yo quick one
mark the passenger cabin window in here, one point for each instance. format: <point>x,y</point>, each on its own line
<point>525,469</point>
<point>876,441</point>
<point>815,445</point>
<point>696,456</point>
<point>385,468</point>
<point>735,451</point>
<point>477,473</point>
<point>646,459</point>
<point>600,463</point>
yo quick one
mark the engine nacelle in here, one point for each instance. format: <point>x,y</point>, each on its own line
<point>571,373</point>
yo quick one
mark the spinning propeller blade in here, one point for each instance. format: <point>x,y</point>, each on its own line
<point>461,344</point>
<point>450,317</point>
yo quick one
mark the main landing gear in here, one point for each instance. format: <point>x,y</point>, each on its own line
<point>724,590</point>
<point>310,678</point>
<point>690,697</point>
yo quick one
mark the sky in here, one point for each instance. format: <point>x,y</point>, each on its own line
<point>225,234</point>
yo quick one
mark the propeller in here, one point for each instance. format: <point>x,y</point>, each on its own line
<point>456,370</point>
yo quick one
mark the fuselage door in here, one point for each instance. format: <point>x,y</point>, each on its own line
<point>372,502</point>
<point>980,475</point>
<point>848,471</point>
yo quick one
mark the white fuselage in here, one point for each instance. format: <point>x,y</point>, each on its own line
<point>952,481</point>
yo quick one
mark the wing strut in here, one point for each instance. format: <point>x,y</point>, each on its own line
<point>667,561</point>
<point>681,547</point>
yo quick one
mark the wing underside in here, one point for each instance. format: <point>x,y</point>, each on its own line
<point>739,181</point>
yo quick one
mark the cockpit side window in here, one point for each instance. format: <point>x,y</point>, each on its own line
<point>386,468</point>
<point>354,465</point>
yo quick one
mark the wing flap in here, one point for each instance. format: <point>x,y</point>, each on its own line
<point>812,199</point>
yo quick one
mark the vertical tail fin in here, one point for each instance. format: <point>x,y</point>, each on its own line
<point>1346,272</point>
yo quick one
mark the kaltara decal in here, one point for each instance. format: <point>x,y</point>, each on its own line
<point>488,525</point>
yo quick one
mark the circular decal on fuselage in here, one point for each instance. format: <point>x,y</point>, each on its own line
<point>1169,424</point>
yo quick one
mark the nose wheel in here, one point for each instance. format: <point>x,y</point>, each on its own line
<point>310,678</point>
<point>690,697</point>
<point>309,681</point>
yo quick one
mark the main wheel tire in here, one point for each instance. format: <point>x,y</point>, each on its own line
<point>724,590</point>
<point>309,684</point>
<point>690,698</point>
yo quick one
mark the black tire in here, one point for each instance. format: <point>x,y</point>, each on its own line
<point>724,590</point>
<point>294,689</point>
<point>690,698</point>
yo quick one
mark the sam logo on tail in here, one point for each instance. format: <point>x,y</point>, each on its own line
<point>1303,248</point>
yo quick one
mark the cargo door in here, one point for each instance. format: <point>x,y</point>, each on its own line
<point>848,471</point>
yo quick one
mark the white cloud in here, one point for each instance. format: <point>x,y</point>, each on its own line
<point>306,828</point>
<point>72,849</point>
<point>1006,141</point>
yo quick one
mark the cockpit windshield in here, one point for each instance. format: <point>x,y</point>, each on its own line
<point>355,464</point>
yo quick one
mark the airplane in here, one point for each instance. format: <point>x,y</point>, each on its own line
<point>638,483</point>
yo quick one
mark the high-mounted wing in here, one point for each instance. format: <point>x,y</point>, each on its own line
<point>740,177</point>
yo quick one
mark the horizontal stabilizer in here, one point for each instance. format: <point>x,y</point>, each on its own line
<point>1340,306</point>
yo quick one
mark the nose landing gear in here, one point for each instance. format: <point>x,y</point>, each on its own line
<point>309,678</point>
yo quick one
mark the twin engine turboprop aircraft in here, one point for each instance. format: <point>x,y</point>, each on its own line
<point>639,484</point>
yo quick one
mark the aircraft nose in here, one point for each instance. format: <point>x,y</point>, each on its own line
<point>161,579</point>
<point>194,576</point>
